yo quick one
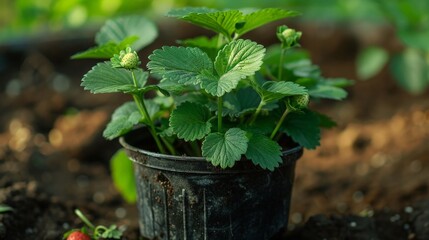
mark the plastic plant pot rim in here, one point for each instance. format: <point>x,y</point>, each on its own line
<point>126,145</point>
<point>197,165</point>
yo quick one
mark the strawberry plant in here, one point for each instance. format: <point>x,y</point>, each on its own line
<point>90,231</point>
<point>223,97</point>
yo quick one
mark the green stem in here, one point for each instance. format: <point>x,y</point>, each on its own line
<point>219,113</point>
<point>279,124</point>
<point>169,146</point>
<point>99,230</point>
<point>282,56</point>
<point>84,219</point>
<point>143,110</point>
<point>257,112</point>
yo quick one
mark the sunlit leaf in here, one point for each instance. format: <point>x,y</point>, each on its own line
<point>370,61</point>
<point>105,51</point>
<point>237,60</point>
<point>120,28</point>
<point>182,12</point>
<point>123,176</point>
<point>103,78</point>
<point>179,64</point>
<point>272,91</point>
<point>326,91</point>
<point>261,17</point>
<point>219,21</point>
<point>125,117</point>
<point>122,121</point>
<point>411,70</point>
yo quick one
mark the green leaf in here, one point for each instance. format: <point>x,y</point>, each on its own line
<point>240,58</point>
<point>303,128</point>
<point>415,39</point>
<point>411,70</point>
<point>190,121</point>
<point>182,12</point>
<point>103,78</point>
<point>201,42</point>
<point>208,45</point>
<point>5,208</point>
<point>326,91</point>
<point>273,91</point>
<point>179,64</point>
<point>235,61</point>
<point>240,102</point>
<point>173,87</point>
<point>264,152</point>
<point>105,51</point>
<point>218,21</point>
<point>215,86</point>
<point>123,176</point>
<point>224,149</point>
<point>262,17</point>
<point>338,82</point>
<point>370,61</point>
<point>325,121</point>
<point>112,232</point>
<point>120,28</point>
<point>123,120</point>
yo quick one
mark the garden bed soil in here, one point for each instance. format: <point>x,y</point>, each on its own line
<point>368,180</point>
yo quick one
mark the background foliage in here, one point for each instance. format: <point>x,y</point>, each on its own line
<point>27,18</point>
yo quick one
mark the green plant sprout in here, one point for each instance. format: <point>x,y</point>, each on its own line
<point>222,97</point>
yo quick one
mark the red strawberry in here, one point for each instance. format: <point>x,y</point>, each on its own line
<point>78,235</point>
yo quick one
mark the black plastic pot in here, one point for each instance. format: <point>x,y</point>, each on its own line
<point>187,198</point>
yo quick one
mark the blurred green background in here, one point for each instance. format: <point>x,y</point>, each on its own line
<point>27,19</point>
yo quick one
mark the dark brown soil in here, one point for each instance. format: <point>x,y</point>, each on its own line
<point>368,180</point>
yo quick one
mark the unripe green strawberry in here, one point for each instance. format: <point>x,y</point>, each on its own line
<point>299,102</point>
<point>288,36</point>
<point>78,235</point>
<point>288,33</point>
<point>127,59</point>
<point>130,60</point>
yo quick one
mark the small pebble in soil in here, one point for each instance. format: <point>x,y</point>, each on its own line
<point>120,212</point>
<point>353,224</point>
<point>66,225</point>
<point>29,231</point>
<point>395,218</point>
<point>408,209</point>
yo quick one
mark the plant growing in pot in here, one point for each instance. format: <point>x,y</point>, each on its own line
<point>222,127</point>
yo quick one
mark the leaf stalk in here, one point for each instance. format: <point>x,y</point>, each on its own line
<point>279,123</point>
<point>143,110</point>
<point>219,113</point>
